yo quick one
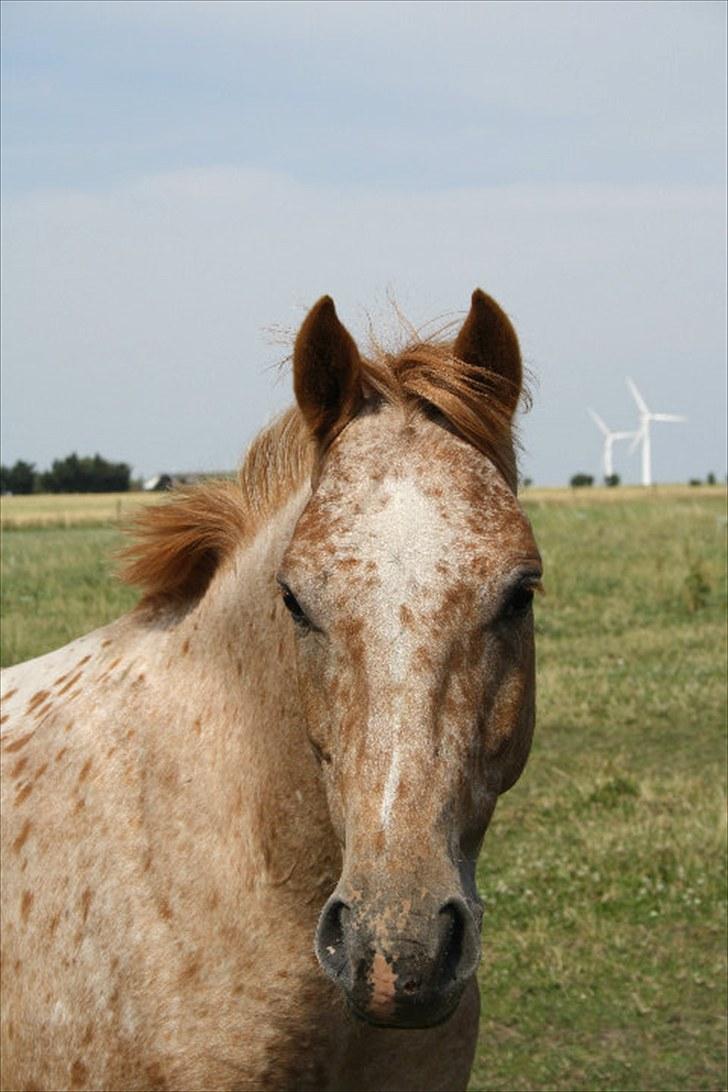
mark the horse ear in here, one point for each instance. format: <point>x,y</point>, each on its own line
<point>326,372</point>
<point>488,340</point>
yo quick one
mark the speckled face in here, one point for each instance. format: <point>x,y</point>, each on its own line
<point>410,576</point>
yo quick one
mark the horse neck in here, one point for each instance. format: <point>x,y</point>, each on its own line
<point>254,772</point>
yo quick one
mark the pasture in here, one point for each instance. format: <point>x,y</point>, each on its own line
<point>67,510</point>
<point>604,869</point>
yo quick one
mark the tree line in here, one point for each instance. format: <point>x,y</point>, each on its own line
<point>74,474</point>
<point>580,480</point>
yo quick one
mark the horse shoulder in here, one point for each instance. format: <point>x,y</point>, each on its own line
<point>69,825</point>
<point>130,945</point>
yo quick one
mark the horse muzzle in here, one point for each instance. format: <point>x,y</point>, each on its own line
<point>398,967</point>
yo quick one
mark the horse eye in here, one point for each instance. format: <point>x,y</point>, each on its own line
<point>519,601</point>
<point>293,606</point>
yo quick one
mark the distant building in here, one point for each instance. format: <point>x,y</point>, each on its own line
<point>158,483</point>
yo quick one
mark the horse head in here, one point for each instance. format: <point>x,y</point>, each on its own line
<point>409,579</point>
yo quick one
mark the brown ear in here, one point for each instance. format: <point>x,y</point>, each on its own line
<point>487,340</point>
<point>326,372</point>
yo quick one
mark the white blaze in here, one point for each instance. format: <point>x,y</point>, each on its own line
<point>405,539</point>
<point>390,790</point>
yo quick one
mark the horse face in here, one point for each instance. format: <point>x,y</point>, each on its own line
<point>409,578</point>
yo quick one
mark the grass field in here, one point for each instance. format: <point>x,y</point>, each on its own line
<point>112,509</point>
<point>604,871</point>
<point>70,509</point>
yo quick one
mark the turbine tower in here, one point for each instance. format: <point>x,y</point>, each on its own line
<point>609,439</point>
<point>643,432</point>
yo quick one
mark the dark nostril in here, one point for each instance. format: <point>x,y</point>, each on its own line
<point>453,924</point>
<point>331,927</point>
<point>411,985</point>
<point>331,937</point>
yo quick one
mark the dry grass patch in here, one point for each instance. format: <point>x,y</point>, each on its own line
<point>70,509</point>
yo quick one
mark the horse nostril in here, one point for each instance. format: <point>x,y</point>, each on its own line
<point>331,947</point>
<point>411,985</point>
<point>453,926</point>
<point>332,924</point>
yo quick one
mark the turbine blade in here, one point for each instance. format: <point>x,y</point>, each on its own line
<point>667,417</point>
<point>641,404</point>
<point>637,437</point>
<point>598,421</point>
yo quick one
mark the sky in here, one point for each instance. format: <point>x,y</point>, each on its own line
<point>181,181</point>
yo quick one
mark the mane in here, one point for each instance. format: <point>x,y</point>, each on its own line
<point>179,544</point>
<point>425,376</point>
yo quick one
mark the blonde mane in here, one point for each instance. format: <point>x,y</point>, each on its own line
<point>179,544</point>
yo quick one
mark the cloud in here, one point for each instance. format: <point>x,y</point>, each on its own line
<point>135,317</point>
<point>457,93</point>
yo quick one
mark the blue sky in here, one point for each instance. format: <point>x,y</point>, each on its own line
<point>181,180</point>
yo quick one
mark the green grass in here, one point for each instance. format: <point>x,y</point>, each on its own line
<point>604,871</point>
<point>55,586</point>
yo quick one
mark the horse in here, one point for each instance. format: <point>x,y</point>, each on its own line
<point>241,823</point>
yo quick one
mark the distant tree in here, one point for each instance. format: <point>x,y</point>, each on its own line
<point>711,478</point>
<point>527,483</point>
<point>20,478</point>
<point>695,481</point>
<point>612,479</point>
<point>580,479</point>
<point>89,474</point>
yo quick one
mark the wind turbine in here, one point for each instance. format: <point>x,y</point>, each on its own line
<point>643,433</point>
<point>609,439</point>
